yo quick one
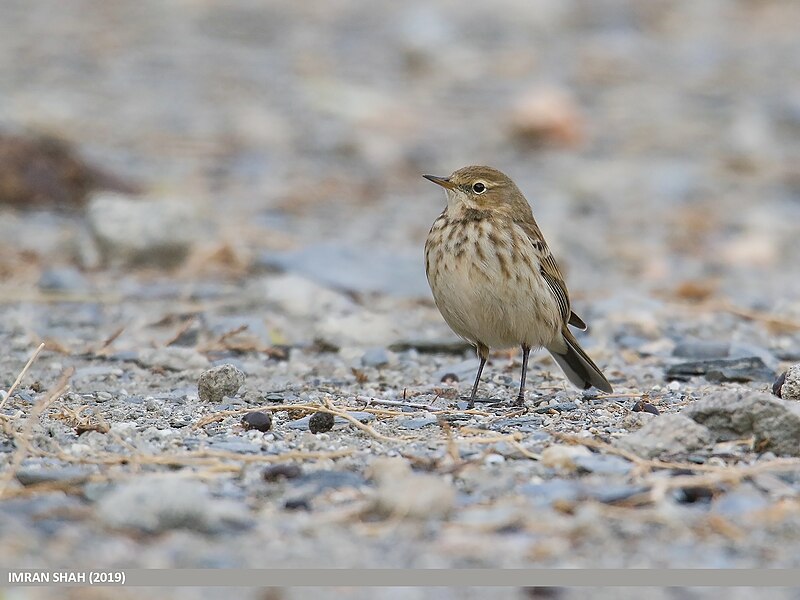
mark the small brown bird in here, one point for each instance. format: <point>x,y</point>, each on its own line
<point>495,281</point>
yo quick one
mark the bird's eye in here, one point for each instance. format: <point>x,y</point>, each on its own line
<point>478,187</point>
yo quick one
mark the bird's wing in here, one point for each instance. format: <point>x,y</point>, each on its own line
<point>550,271</point>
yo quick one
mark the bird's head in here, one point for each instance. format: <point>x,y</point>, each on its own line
<point>484,189</point>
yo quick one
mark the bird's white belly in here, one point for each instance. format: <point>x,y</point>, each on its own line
<point>499,301</point>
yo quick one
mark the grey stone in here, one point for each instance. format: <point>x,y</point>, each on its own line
<point>666,435</point>
<point>603,464</point>
<point>375,357</point>
<point>136,231</point>
<point>31,475</point>
<point>218,382</point>
<point>751,368</point>
<point>235,445</point>
<point>62,279</point>
<point>178,420</point>
<point>417,423</point>
<point>300,424</point>
<point>154,504</point>
<point>525,424</point>
<point>730,415</point>
<point>790,390</point>
<point>559,406</point>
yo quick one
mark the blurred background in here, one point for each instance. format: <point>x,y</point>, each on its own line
<point>658,141</point>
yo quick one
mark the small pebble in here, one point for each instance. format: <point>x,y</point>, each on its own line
<point>320,422</point>
<point>281,471</point>
<point>257,420</point>
<point>375,357</point>
<point>216,383</point>
<point>790,386</point>
<point>641,406</point>
<point>691,495</point>
<point>297,504</point>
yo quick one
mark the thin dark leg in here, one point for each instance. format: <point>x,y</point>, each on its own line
<point>526,350</point>
<point>477,381</point>
<point>483,354</point>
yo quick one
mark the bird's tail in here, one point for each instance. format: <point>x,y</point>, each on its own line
<point>576,364</point>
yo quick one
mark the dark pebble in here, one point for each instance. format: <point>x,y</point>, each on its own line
<point>449,378</point>
<point>776,387</point>
<point>692,495</point>
<point>640,406</point>
<point>257,420</point>
<point>297,504</point>
<point>277,472</point>
<point>543,593</point>
<point>320,422</point>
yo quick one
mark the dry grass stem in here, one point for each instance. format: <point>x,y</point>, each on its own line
<point>22,373</point>
<point>328,407</point>
<point>23,437</point>
<point>369,401</point>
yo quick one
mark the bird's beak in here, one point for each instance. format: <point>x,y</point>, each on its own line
<point>442,181</point>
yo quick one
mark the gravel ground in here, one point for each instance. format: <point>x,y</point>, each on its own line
<point>279,232</point>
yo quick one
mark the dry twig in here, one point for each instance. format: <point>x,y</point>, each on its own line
<point>23,437</point>
<point>17,381</point>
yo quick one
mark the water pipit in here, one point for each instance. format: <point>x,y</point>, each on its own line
<point>496,282</point>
